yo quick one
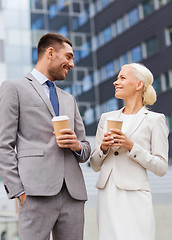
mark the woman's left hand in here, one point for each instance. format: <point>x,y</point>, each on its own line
<point>120,140</point>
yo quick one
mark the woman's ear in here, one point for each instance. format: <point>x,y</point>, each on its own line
<point>140,85</point>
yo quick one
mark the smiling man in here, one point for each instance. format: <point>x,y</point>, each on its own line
<point>43,175</point>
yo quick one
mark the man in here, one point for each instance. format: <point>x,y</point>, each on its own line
<point>42,171</point>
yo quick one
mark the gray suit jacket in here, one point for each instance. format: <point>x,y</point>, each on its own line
<point>30,158</point>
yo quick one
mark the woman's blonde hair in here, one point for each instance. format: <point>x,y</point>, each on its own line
<point>144,74</point>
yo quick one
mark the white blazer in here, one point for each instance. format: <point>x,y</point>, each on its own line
<point>149,133</point>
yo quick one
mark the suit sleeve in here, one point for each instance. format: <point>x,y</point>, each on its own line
<point>79,130</point>
<point>9,116</point>
<point>97,156</point>
<point>157,159</point>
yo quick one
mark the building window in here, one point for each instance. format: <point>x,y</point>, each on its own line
<point>52,11</point>
<point>83,18</point>
<point>68,90</point>
<point>39,4</point>
<point>133,17</point>
<point>136,54</point>
<point>34,55</point>
<point>76,7</point>
<point>85,50</point>
<point>116,24</point>
<point>151,46</point>
<point>160,2</point>
<point>107,34</point>
<point>119,63</point>
<point>38,23</point>
<point>170,33</point>
<point>1,51</point>
<point>75,23</point>
<point>169,122</point>
<point>112,104</point>
<point>77,56</point>
<point>89,116</point>
<point>104,3</point>
<point>87,83</point>
<point>64,31</point>
<point>95,7</point>
<point>148,7</point>
<point>157,84</point>
<point>109,70</point>
<point>125,58</point>
<point>100,75</point>
<point>123,25</point>
<point>167,80</point>
<point>98,40</point>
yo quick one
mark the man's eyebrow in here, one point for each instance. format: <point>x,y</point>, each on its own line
<point>71,54</point>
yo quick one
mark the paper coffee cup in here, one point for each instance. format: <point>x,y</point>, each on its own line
<point>114,123</point>
<point>59,123</point>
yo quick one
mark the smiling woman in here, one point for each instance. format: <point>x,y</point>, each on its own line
<point>124,156</point>
<point>135,81</point>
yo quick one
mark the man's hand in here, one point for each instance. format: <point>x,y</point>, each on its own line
<point>68,139</point>
<point>22,198</point>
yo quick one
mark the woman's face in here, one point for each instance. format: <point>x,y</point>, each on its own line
<point>126,85</point>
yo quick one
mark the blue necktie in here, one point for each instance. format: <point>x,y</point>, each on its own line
<point>53,97</point>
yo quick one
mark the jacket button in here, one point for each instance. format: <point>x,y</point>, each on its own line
<point>116,153</point>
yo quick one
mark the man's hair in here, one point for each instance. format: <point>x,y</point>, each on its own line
<point>51,40</point>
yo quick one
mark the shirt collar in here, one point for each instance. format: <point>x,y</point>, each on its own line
<point>39,76</point>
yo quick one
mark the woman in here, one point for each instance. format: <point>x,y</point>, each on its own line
<point>125,208</point>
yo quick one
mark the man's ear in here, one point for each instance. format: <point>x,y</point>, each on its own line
<point>50,52</point>
<point>140,85</point>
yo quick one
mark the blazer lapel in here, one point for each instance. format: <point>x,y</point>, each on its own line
<point>137,120</point>
<point>38,87</point>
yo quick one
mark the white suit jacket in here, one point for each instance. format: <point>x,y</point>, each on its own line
<point>149,133</point>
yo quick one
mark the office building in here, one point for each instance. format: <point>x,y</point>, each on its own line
<point>107,34</point>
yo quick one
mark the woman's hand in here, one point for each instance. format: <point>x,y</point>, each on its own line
<point>115,138</point>
<point>107,142</point>
<point>120,139</point>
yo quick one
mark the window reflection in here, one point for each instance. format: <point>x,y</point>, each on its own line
<point>148,7</point>
<point>39,4</point>
<point>151,46</point>
<point>104,3</point>
<point>89,116</point>
<point>136,54</point>
<point>37,21</point>
<point>133,17</point>
<point>157,84</point>
<point>170,33</point>
<point>107,34</point>
<point>109,70</point>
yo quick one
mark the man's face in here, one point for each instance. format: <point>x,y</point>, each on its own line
<point>61,62</point>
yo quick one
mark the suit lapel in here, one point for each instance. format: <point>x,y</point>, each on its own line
<point>38,87</point>
<point>137,120</point>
